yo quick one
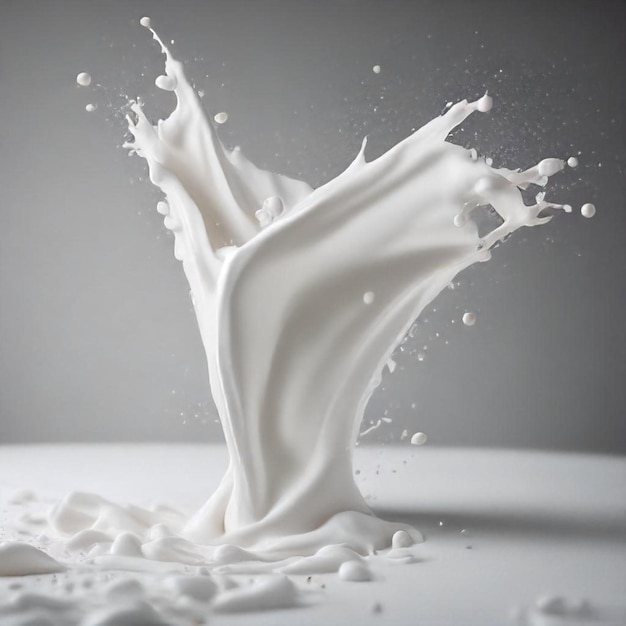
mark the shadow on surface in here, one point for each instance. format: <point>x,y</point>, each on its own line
<point>508,524</point>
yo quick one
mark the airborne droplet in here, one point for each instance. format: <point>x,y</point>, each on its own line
<point>84,79</point>
<point>469,318</point>
<point>588,210</point>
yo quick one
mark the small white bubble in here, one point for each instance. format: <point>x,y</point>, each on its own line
<point>221,118</point>
<point>469,318</point>
<point>145,22</point>
<point>90,108</point>
<point>368,297</point>
<point>376,69</point>
<point>572,162</point>
<point>83,79</point>
<point>419,439</point>
<point>421,356</point>
<point>588,210</point>
<point>163,207</point>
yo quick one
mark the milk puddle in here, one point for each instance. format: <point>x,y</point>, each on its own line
<point>301,296</point>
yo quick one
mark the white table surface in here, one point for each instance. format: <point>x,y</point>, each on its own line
<point>538,523</point>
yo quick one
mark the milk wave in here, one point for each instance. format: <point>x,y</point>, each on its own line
<point>301,296</point>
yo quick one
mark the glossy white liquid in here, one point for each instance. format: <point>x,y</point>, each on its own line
<point>301,296</point>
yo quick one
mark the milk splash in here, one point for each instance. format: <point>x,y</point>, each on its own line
<point>301,296</point>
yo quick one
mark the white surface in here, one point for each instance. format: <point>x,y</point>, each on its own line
<point>537,523</point>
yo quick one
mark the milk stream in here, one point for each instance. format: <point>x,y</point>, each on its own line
<point>301,296</point>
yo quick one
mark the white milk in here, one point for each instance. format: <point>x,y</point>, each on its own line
<point>301,296</point>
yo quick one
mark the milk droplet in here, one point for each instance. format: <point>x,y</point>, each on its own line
<point>588,210</point>
<point>221,118</point>
<point>419,439</point>
<point>83,79</point>
<point>146,22</point>
<point>459,220</point>
<point>485,103</point>
<point>354,571</point>
<point>572,162</point>
<point>549,167</point>
<point>421,356</point>
<point>166,83</point>
<point>401,539</point>
<point>469,318</point>
<point>567,208</point>
<point>163,207</point>
<point>368,297</point>
<point>90,108</point>
<point>169,222</point>
<point>376,69</point>
<point>273,205</point>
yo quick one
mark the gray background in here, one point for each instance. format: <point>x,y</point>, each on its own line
<point>98,341</point>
